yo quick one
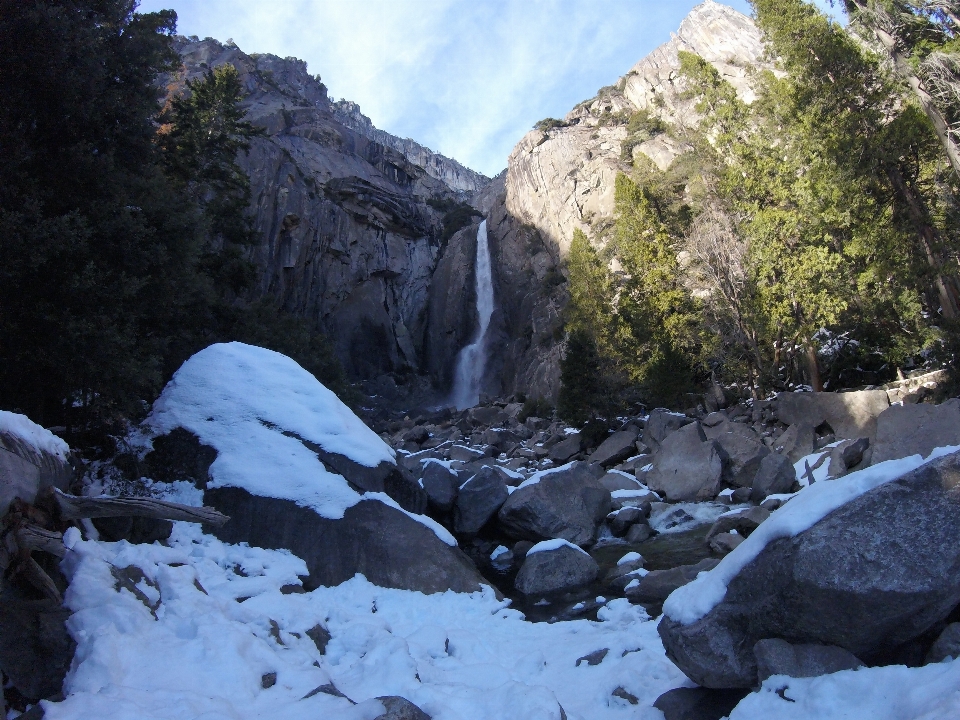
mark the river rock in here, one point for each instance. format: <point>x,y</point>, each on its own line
<point>660,424</point>
<point>639,532</point>
<point>743,453</point>
<point>616,448</point>
<point>440,485</point>
<point>623,519</point>
<point>872,575</point>
<point>775,475</point>
<point>743,521</point>
<point>479,499</point>
<point>904,430</point>
<point>725,543</point>
<point>555,570</point>
<point>569,503</point>
<point>687,467</point>
<point>386,545</point>
<point>778,657</point>
<point>656,585</point>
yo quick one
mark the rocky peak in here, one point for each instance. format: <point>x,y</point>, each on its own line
<point>449,171</point>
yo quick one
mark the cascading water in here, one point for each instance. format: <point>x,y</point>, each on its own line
<point>472,358</point>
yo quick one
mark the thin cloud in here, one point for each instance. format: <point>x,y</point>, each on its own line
<point>463,77</point>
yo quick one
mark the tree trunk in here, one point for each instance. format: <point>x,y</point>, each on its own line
<point>903,69</point>
<point>929,240</point>
<point>813,367</point>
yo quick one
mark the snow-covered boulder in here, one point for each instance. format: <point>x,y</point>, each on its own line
<point>555,566</point>
<point>296,469</point>
<point>867,562</point>
<point>687,466</point>
<point>31,459</point>
<point>568,503</point>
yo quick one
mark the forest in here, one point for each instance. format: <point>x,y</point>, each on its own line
<point>809,238</point>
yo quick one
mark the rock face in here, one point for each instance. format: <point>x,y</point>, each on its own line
<point>384,544</point>
<point>557,570</point>
<point>687,467</point>
<point>904,430</point>
<point>874,574</point>
<point>562,178</point>
<point>567,504</point>
<point>346,234</point>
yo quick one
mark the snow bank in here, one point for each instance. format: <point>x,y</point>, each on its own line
<point>258,409</point>
<point>882,693</point>
<point>556,544</point>
<point>32,435</point>
<point>691,602</point>
<point>457,656</point>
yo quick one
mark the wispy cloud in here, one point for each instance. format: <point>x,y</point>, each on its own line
<point>465,77</point>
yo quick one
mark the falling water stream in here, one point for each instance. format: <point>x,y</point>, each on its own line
<point>472,358</point>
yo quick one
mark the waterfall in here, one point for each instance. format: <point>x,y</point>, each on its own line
<point>472,358</point>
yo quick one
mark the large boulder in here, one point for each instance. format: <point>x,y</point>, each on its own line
<point>660,424</point>
<point>386,545</point>
<point>850,415</point>
<point>797,441</point>
<point>568,503</point>
<point>875,573</point>
<point>904,430</point>
<point>31,459</point>
<point>567,448</point>
<point>656,585</point>
<point>687,466</point>
<point>616,448</point>
<point>743,451</point>
<point>775,475</point>
<point>294,468</point>
<point>555,566</point>
<point>440,484</point>
<point>479,499</point>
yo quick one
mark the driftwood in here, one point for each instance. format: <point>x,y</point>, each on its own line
<point>31,537</point>
<point>73,507</point>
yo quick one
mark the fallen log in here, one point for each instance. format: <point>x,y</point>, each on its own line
<point>74,507</point>
<point>31,537</point>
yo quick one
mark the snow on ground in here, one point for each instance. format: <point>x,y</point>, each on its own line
<point>691,602</point>
<point>883,693</point>
<point>32,435</point>
<point>259,408</point>
<point>222,624</point>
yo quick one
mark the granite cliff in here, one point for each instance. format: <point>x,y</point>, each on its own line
<point>357,228</point>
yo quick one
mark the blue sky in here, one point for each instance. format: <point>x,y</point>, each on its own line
<point>464,77</point>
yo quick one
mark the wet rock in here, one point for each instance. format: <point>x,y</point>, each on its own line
<point>775,475</point>
<point>871,576</point>
<point>616,448</point>
<point>698,703</point>
<point>946,646</point>
<point>657,585</point>
<point>778,657</point>
<point>743,521</point>
<point>568,504</point>
<point>725,543</point>
<point>904,430</point>
<point>687,467</point>
<point>639,532</point>
<point>479,499</point>
<point>660,424</point>
<point>441,486</point>
<point>623,519</point>
<point>553,571</point>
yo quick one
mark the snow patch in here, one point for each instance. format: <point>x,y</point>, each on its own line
<point>556,544</point>
<point>32,435</point>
